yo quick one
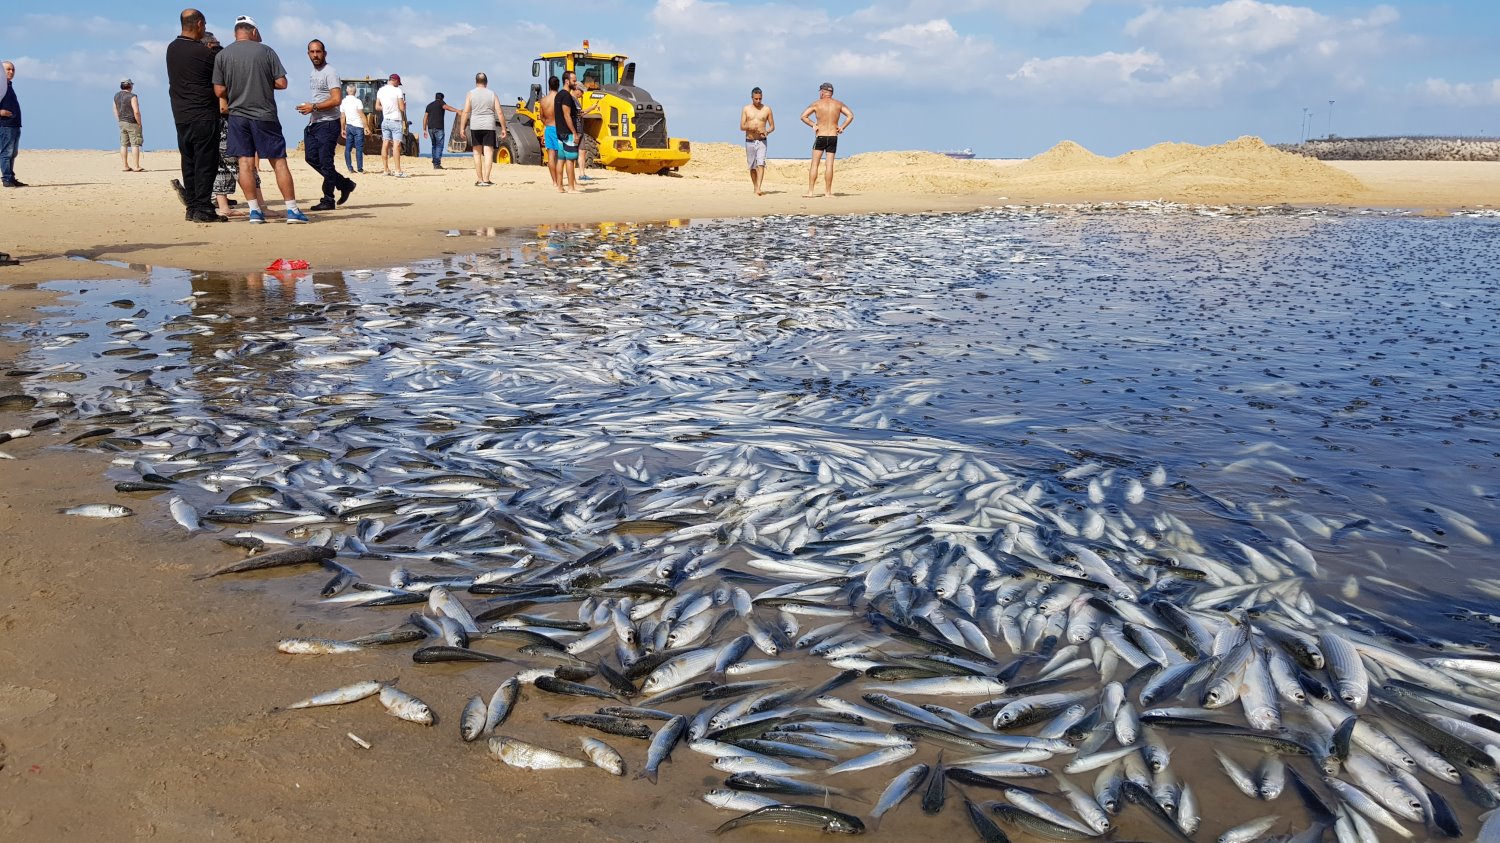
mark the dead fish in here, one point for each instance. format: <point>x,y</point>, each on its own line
<point>315,646</point>
<point>443,653</point>
<point>299,555</point>
<point>826,820</point>
<point>603,755</point>
<point>530,756</point>
<point>404,706</point>
<point>342,696</point>
<point>99,510</point>
<point>471,722</point>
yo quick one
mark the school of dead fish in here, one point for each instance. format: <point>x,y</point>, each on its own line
<point>603,477</point>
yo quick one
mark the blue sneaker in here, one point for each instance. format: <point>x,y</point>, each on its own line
<point>257,216</point>
<point>294,217</point>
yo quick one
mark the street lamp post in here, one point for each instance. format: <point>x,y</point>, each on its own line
<point>1330,119</point>
<point>1303,139</point>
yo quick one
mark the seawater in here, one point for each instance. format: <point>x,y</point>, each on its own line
<point>1289,370</point>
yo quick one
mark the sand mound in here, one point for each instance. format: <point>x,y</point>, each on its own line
<point>715,160</point>
<point>1243,170</point>
<point>916,171</point>
<point>1065,156</point>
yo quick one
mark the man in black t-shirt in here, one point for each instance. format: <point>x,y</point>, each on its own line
<point>195,110</point>
<point>569,133</point>
<point>432,127</point>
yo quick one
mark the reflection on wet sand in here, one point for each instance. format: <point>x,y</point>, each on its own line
<point>926,475</point>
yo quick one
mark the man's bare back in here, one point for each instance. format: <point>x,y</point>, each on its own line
<point>549,118</point>
<point>827,111</point>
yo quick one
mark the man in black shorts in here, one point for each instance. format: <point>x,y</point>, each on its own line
<point>827,129</point>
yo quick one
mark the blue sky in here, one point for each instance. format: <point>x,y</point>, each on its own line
<point>1008,78</point>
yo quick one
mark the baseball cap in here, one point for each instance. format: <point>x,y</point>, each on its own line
<point>396,77</point>
<point>126,82</point>
<point>826,86</point>
<point>245,19</point>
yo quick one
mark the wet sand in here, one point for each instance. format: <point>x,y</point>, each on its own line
<point>136,704</point>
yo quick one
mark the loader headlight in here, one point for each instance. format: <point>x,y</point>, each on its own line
<point>684,146</point>
<point>623,145</point>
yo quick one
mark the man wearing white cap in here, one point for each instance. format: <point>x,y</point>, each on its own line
<point>128,114</point>
<point>248,74</point>
<point>391,101</point>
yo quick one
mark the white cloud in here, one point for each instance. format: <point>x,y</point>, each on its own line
<point>716,20</point>
<point>1108,77</point>
<point>1026,13</point>
<point>1443,92</point>
<point>141,62</point>
<point>1240,28</point>
<point>922,36</point>
<point>846,64</point>
<point>1200,55</point>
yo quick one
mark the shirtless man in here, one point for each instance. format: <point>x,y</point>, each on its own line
<point>827,130</point>
<point>757,122</point>
<point>550,146</point>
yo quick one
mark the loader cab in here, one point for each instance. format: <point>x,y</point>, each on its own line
<point>593,71</point>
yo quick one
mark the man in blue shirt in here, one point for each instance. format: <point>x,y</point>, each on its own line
<point>10,129</point>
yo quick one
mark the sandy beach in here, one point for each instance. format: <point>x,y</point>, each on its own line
<point>133,706</point>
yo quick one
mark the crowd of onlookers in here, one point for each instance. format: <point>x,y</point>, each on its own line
<point>223,100</point>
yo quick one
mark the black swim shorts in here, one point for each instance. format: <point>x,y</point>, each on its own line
<point>826,143</point>
<point>482,137</point>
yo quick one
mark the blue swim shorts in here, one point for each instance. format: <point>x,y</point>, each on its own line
<point>246,137</point>
<point>549,138</point>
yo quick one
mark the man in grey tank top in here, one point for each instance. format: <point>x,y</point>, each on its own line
<point>482,118</point>
<point>128,115</point>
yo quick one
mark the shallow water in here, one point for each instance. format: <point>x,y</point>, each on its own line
<point>1293,373</point>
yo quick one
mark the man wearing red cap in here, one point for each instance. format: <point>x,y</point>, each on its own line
<point>391,101</point>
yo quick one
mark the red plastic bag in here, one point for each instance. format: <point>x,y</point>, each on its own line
<point>283,264</point>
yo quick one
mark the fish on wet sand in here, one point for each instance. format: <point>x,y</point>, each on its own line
<point>826,820</point>
<point>98,510</point>
<point>528,756</point>
<point>343,695</point>
<point>295,555</point>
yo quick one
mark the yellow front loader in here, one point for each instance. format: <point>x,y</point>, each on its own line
<point>624,128</point>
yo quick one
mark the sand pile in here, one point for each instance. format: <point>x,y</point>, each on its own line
<point>715,160</point>
<point>1065,156</point>
<point>1244,170</point>
<point>925,172</point>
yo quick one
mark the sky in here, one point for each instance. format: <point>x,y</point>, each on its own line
<point>1006,78</point>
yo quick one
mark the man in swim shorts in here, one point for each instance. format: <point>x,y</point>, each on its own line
<point>757,122</point>
<point>827,129</point>
<point>550,146</point>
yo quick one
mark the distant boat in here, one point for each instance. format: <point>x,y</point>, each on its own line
<point>961,154</point>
